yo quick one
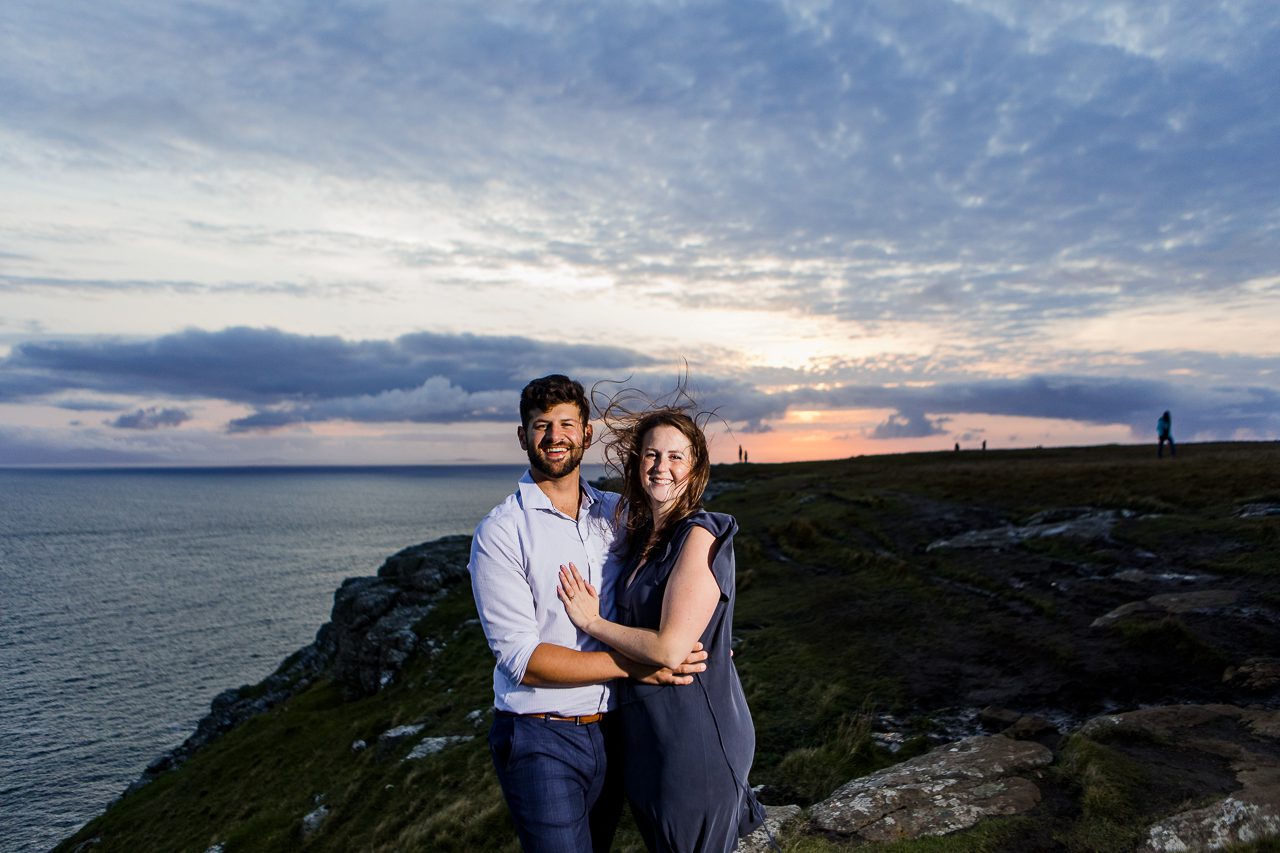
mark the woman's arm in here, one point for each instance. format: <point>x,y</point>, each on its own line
<point>687,605</point>
<point>556,666</point>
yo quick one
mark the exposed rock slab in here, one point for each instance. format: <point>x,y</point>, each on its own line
<point>312,821</point>
<point>947,790</point>
<point>1249,738</point>
<point>1255,674</point>
<point>432,745</point>
<point>1201,601</point>
<point>1073,522</point>
<point>1258,510</point>
<point>776,817</point>
<point>1229,821</point>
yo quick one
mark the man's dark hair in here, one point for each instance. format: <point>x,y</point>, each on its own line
<point>550,391</point>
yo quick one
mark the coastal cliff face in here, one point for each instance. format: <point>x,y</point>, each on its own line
<point>364,645</point>
<point>1062,650</point>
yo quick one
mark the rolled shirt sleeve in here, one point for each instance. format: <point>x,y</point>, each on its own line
<point>503,597</point>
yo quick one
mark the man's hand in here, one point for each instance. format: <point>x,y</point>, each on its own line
<point>682,674</point>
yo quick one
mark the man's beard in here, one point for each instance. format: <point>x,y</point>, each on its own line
<point>556,469</point>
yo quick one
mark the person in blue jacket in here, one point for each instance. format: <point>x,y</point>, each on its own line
<point>1164,432</point>
<point>687,751</point>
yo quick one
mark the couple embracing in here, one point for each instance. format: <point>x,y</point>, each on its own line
<point>610,618</point>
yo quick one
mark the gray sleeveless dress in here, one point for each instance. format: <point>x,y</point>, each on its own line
<point>688,748</point>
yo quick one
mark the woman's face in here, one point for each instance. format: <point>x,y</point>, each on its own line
<point>666,458</point>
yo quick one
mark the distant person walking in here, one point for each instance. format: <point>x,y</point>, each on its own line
<point>1164,432</point>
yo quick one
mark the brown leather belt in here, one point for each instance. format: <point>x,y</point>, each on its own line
<point>580,720</point>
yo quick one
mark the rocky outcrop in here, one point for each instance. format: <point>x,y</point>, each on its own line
<point>432,745</point>
<point>1258,510</point>
<point>371,630</point>
<point>232,707</point>
<point>763,839</point>
<point>364,645</point>
<point>1074,522</point>
<point>1201,601</point>
<point>1247,738</point>
<point>1226,822</point>
<point>1255,674</point>
<point>946,790</point>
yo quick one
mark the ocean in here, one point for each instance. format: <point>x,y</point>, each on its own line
<point>130,598</point>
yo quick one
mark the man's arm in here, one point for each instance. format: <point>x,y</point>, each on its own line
<point>556,666</point>
<point>506,608</point>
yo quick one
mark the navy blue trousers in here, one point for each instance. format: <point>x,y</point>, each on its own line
<point>557,783</point>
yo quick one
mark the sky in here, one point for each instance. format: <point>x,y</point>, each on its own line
<point>303,232</point>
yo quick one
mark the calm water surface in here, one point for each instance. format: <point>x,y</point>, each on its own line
<point>129,599</point>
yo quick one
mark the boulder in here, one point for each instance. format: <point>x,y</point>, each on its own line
<point>390,741</point>
<point>1030,727</point>
<point>312,821</point>
<point>1226,822</point>
<point>432,745</point>
<point>994,718</point>
<point>1073,522</point>
<point>1255,674</point>
<point>1258,510</point>
<point>946,790</point>
<point>1248,738</point>
<point>1201,601</point>
<point>775,818</point>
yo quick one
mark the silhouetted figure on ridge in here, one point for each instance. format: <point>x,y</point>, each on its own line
<point>1164,432</point>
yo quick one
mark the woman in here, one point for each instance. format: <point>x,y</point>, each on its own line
<point>687,749</point>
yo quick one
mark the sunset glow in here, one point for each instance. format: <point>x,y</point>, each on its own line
<point>295,238</point>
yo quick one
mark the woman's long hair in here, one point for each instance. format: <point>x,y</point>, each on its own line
<point>629,416</point>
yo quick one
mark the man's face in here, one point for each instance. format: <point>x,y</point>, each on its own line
<point>555,440</point>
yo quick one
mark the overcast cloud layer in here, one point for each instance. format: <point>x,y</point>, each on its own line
<point>395,213</point>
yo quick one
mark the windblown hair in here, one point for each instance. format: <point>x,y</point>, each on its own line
<point>630,415</point>
<point>547,392</point>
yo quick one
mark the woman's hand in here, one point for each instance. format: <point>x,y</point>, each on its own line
<point>581,601</point>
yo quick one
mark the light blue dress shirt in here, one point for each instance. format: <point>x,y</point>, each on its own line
<point>516,556</point>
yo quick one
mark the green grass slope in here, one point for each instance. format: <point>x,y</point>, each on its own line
<point>848,625</point>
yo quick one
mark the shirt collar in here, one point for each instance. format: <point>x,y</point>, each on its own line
<point>532,497</point>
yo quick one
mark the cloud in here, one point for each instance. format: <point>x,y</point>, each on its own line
<point>150,418</point>
<point>912,425</point>
<point>17,284</point>
<point>26,447</point>
<point>426,377</point>
<point>436,400</point>
<point>88,405</point>
<point>1222,412</point>
<point>980,173</point>
<point>980,164</point>
<point>268,367</point>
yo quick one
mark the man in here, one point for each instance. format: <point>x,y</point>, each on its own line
<point>551,683</point>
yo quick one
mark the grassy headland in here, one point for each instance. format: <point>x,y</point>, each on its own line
<point>853,637</point>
